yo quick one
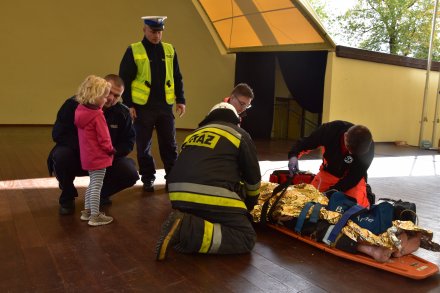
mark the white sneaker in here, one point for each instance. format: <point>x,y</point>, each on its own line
<point>100,219</point>
<point>85,215</point>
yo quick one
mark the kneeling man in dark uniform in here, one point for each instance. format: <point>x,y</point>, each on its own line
<point>64,161</point>
<point>213,186</point>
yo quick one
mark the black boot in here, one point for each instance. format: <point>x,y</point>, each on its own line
<point>149,186</point>
<point>67,208</point>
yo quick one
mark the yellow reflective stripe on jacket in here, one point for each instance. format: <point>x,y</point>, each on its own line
<point>252,190</point>
<point>202,189</point>
<point>203,139</point>
<point>207,237</point>
<point>207,199</point>
<point>139,90</point>
<point>226,134</point>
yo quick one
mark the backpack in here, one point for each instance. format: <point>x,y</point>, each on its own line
<point>377,219</point>
<point>403,210</point>
<point>281,176</point>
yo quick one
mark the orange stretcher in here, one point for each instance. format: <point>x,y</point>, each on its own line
<point>409,266</point>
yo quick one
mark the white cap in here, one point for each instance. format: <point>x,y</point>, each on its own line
<point>154,22</point>
<point>226,106</point>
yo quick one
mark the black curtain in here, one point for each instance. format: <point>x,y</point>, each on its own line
<point>304,74</point>
<point>258,71</point>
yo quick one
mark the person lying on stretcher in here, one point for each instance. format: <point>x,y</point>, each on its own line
<point>304,209</point>
<point>409,240</point>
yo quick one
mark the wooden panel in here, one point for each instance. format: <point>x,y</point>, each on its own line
<point>378,57</point>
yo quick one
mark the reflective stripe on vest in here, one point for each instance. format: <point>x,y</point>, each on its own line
<point>140,87</point>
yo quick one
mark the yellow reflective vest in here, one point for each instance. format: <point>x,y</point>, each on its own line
<point>140,87</point>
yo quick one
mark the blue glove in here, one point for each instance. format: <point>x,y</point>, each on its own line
<point>293,165</point>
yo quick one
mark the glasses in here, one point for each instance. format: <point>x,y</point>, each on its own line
<point>242,104</point>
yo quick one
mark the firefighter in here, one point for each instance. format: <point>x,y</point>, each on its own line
<point>241,98</point>
<point>212,187</point>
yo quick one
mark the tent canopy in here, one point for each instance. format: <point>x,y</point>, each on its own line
<point>263,25</point>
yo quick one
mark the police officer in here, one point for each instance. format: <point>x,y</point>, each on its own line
<point>151,73</point>
<point>64,161</point>
<point>213,185</point>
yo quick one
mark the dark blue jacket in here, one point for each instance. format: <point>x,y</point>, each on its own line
<point>118,120</point>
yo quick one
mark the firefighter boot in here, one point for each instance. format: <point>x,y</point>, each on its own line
<point>169,235</point>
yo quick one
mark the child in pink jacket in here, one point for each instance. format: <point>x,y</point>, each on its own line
<point>96,149</point>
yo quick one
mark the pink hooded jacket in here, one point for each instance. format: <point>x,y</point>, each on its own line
<point>96,149</point>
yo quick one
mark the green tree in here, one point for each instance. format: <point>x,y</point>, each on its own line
<point>400,27</point>
<point>326,16</point>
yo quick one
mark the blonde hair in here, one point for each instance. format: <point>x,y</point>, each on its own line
<point>92,88</point>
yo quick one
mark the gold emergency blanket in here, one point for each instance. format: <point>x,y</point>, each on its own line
<point>295,198</point>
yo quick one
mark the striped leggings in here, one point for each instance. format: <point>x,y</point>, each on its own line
<point>93,192</point>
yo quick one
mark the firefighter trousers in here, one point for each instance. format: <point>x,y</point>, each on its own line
<point>215,233</point>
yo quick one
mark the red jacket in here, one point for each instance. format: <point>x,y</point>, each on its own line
<point>96,149</point>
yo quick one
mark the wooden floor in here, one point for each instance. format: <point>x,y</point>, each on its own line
<point>41,251</point>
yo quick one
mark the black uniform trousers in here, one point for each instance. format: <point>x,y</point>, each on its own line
<point>162,119</point>
<point>237,234</point>
<point>67,165</point>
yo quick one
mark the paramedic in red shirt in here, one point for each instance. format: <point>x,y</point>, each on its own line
<point>348,151</point>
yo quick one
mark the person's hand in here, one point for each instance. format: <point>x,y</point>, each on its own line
<point>293,165</point>
<point>133,113</point>
<point>180,109</point>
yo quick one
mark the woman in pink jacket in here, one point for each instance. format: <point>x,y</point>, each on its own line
<point>96,149</point>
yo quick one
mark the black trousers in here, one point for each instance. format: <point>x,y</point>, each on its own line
<point>161,119</point>
<point>66,165</point>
